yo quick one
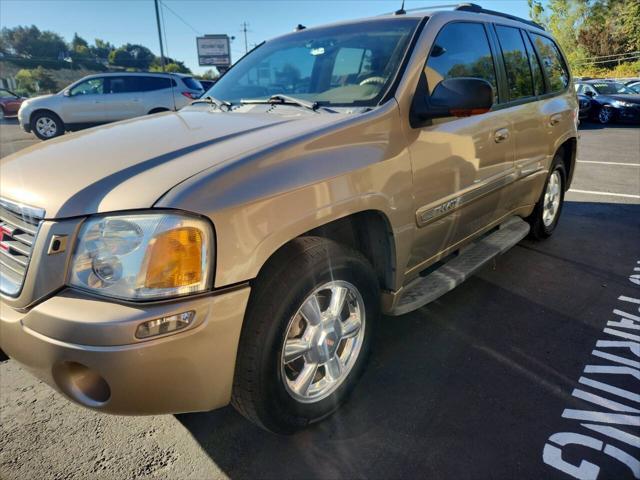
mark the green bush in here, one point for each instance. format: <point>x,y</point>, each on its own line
<point>35,81</point>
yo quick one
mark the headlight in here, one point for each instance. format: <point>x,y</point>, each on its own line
<point>143,256</point>
<point>621,104</point>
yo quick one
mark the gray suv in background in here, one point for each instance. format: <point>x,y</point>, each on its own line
<point>104,98</point>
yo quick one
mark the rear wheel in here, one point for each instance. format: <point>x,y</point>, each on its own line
<point>46,125</point>
<point>546,213</point>
<point>306,334</point>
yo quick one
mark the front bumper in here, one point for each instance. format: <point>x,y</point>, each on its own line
<point>85,348</point>
<point>628,114</point>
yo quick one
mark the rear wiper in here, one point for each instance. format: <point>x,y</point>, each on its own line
<point>279,98</point>
<point>214,101</point>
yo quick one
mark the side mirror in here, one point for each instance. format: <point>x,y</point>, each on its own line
<point>589,93</point>
<point>453,97</point>
<point>67,93</point>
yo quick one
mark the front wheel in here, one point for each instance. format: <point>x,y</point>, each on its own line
<point>46,125</point>
<point>605,115</point>
<point>546,213</point>
<point>306,334</point>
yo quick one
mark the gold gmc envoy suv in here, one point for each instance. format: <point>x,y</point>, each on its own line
<point>243,249</point>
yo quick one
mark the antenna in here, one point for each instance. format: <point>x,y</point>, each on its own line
<point>402,11</point>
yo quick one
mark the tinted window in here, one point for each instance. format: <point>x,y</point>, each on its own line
<point>92,86</point>
<point>552,63</point>
<point>148,84</point>
<point>192,83</point>
<point>460,50</point>
<point>516,63</point>
<point>538,79</point>
<point>122,85</point>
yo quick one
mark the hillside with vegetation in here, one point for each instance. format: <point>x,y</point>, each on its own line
<point>42,61</point>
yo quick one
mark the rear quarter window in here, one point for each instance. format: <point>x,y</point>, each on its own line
<point>192,83</point>
<point>552,62</point>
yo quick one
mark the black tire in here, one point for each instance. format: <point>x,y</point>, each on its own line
<point>59,125</point>
<point>540,231</point>
<point>259,391</point>
<point>605,115</point>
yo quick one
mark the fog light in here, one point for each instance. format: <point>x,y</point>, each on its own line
<point>169,324</point>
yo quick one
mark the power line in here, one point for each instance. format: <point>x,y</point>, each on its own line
<point>181,19</point>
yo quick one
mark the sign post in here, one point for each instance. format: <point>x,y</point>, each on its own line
<point>214,51</point>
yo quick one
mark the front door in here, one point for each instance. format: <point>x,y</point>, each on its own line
<point>460,164</point>
<point>83,102</point>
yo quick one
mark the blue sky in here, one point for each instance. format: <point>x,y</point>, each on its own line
<point>133,21</point>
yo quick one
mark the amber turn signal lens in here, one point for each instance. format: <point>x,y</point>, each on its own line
<point>174,259</point>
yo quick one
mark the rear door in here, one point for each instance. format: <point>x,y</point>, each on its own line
<point>123,99</point>
<point>460,165</point>
<point>524,89</point>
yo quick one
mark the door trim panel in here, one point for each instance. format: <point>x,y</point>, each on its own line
<point>431,212</point>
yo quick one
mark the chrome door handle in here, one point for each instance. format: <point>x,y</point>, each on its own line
<point>555,119</point>
<point>501,135</point>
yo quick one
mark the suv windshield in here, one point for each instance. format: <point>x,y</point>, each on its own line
<point>609,88</point>
<point>346,65</point>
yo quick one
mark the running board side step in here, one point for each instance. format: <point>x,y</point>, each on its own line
<point>426,289</point>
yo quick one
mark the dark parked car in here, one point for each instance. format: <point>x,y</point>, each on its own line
<point>634,85</point>
<point>585,106</point>
<point>9,103</point>
<point>610,101</point>
<point>206,84</point>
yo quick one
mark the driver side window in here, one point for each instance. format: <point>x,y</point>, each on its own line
<point>93,86</point>
<point>461,49</point>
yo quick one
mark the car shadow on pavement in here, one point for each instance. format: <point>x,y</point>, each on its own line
<point>592,125</point>
<point>470,386</point>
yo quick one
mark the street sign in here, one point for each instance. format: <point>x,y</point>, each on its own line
<point>214,51</point>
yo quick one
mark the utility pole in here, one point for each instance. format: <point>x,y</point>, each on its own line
<point>244,30</point>
<point>159,34</point>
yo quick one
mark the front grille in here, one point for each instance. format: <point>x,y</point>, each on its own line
<point>18,228</point>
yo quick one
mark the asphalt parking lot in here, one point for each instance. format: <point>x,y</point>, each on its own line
<point>530,369</point>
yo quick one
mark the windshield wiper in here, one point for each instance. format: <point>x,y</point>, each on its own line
<point>214,101</point>
<point>280,98</point>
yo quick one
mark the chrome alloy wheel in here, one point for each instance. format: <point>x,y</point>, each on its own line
<point>46,127</point>
<point>552,199</point>
<point>323,341</point>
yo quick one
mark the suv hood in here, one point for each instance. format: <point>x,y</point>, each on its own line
<point>130,164</point>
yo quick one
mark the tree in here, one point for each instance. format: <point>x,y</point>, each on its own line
<point>101,49</point>
<point>31,42</point>
<point>591,31</point>
<point>132,56</point>
<point>171,65</point>
<point>79,48</point>
<point>209,75</point>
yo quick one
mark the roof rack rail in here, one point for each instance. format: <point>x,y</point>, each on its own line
<point>472,7</point>
<point>466,7</point>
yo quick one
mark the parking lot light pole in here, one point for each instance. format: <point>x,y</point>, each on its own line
<point>159,34</point>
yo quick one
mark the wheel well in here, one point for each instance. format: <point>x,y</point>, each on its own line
<point>157,110</point>
<point>568,153</point>
<point>45,110</point>
<point>370,233</point>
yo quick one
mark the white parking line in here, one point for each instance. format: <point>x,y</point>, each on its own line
<point>610,163</point>
<point>591,192</point>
